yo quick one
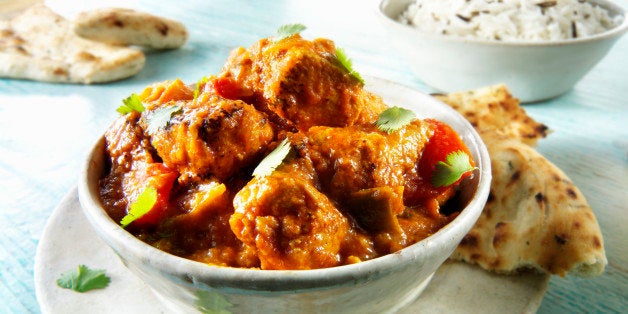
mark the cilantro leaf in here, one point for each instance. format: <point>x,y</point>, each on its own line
<point>394,118</point>
<point>83,279</point>
<point>208,302</point>
<point>197,90</point>
<point>142,205</point>
<point>273,160</point>
<point>288,30</point>
<point>130,104</point>
<point>346,63</point>
<point>447,173</point>
<point>160,118</point>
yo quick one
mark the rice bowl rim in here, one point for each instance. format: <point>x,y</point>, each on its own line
<point>613,9</point>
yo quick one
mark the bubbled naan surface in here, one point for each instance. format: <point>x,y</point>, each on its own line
<point>535,217</point>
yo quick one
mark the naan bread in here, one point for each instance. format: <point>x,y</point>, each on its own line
<point>493,107</point>
<point>40,45</point>
<point>11,8</point>
<point>535,217</point>
<point>129,27</point>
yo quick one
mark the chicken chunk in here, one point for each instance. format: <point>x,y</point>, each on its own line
<point>128,150</point>
<point>213,136</point>
<point>351,159</point>
<point>126,143</point>
<point>290,223</point>
<point>301,81</point>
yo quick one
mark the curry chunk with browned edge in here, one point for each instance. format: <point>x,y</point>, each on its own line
<point>213,137</point>
<point>300,81</point>
<point>127,147</point>
<point>291,224</point>
<point>359,157</point>
<point>345,191</point>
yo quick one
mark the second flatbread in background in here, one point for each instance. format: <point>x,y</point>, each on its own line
<point>38,44</point>
<point>535,217</point>
<point>494,108</point>
<point>122,26</point>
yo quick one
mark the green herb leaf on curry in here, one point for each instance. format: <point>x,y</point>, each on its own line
<point>452,169</point>
<point>197,90</point>
<point>346,63</point>
<point>83,279</point>
<point>130,104</point>
<point>142,205</point>
<point>272,160</point>
<point>288,30</point>
<point>160,118</point>
<point>394,118</point>
<point>208,302</point>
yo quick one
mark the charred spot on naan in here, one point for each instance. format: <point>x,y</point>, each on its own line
<point>535,218</point>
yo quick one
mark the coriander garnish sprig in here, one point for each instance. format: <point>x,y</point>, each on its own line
<point>130,104</point>
<point>288,30</point>
<point>346,63</point>
<point>83,279</point>
<point>142,205</point>
<point>197,89</point>
<point>273,160</point>
<point>448,172</point>
<point>394,118</point>
<point>160,118</point>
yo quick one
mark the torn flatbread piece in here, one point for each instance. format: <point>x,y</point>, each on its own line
<point>535,217</point>
<point>493,107</point>
<point>122,26</point>
<point>11,8</point>
<point>40,45</point>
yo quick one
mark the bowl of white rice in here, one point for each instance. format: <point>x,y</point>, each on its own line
<point>539,48</point>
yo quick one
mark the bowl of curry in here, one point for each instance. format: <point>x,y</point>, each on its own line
<point>285,183</point>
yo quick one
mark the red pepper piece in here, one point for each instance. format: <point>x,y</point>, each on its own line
<point>444,142</point>
<point>161,178</point>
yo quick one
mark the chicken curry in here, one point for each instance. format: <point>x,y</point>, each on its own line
<point>346,190</point>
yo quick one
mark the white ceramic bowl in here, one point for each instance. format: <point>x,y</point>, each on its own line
<point>532,71</point>
<point>380,285</point>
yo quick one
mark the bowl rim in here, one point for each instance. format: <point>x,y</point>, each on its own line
<point>614,32</point>
<point>235,278</point>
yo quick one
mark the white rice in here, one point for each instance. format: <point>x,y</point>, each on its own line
<point>510,20</point>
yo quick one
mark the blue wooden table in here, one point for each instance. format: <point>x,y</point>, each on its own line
<point>46,129</point>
